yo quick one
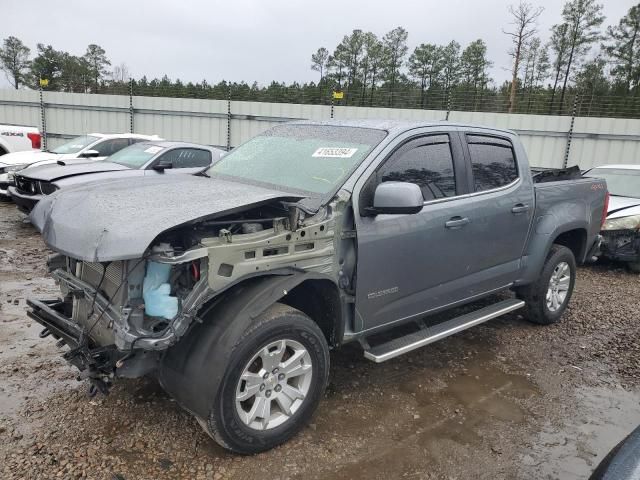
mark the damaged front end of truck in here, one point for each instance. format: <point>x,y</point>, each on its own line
<point>119,312</point>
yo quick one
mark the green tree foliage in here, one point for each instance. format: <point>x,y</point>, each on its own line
<point>319,61</point>
<point>394,50</point>
<point>622,46</point>
<point>14,60</point>
<point>583,19</point>
<point>97,61</point>
<point>425,65</point>
<point>475,65</point>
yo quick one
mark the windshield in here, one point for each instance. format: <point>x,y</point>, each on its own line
<point>135,156</point>
<point>309,158</point>
<point>620,181</point>
<point>75,145</point>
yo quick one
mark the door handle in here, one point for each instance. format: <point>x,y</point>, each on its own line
<point>456,222</point>
<point>520,208</point>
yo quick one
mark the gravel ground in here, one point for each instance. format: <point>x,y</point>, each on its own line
<point>504,400</point>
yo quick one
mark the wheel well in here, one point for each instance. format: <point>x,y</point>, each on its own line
<point>574,240</point>
<point>320,300</point>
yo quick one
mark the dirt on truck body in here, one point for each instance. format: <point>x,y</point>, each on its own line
<point>232,288</point>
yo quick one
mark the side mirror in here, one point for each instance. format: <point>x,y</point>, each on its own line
<point>396,198</point>
<point>90,154</point>
<point>162,166</point>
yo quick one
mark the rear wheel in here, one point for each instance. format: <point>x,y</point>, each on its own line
<point>548,297</point>
<point>273,382</point>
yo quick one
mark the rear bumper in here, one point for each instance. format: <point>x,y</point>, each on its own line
<point>24,202</point>
<point>623,245</point>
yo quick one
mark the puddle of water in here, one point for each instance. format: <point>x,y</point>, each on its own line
<point>433,417</point>
<point>571,451</point>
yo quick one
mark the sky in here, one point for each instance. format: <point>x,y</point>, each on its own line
<point>259,40</point>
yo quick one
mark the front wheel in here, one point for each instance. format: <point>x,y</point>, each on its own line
<point>548,297</point>
<point>273,382</point>
<point>634,267</point>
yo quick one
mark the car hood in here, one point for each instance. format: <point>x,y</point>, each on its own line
<point>119,219</point>
<point>623,206</point>
<point>31,156</point>
<point>51,172</point>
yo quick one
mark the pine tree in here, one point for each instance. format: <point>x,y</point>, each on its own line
<point>395,49</point>
<point>623,48</point>
<point>14,60</point>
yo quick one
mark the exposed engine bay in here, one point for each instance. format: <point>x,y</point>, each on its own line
<point>125,312</point>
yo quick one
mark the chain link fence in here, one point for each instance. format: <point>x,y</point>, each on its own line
<point>545,102</point>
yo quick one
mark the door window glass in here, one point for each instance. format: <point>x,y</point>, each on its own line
<point>492,161</point>
<point>429,166</point>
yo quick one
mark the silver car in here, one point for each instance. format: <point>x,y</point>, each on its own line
<point>141,159</point>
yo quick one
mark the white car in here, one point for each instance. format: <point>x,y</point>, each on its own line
<point>621,229</point>
<point>94,146</point>
<point>16,138</point>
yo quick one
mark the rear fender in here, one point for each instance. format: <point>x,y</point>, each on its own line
<point>545,233</point>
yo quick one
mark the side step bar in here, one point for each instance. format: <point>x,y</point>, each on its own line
<point>401,345</point>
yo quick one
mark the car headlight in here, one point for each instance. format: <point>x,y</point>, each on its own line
<point>8,168</point>
<point>47,188</point>
<point>632,222</point>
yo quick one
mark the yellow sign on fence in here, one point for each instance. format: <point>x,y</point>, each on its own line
<point>44,82</point>
<point>338,95</point>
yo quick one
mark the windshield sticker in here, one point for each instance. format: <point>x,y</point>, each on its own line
<point>153,150</point>
<point>76,146</point>
<point>334,152</point>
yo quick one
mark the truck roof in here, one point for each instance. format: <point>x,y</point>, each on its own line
<point>395,126</point>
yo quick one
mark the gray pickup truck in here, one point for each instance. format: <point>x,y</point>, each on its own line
<point>231,288</point>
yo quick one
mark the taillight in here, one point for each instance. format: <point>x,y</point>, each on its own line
<point>36,140</point>
<point>605,210</point>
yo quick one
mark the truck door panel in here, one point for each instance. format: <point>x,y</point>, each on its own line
<point>408,264</point>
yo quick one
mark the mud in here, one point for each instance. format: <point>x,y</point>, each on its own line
<point>504,400</point>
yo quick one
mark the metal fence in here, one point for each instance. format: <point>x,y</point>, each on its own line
<point>551,140</point>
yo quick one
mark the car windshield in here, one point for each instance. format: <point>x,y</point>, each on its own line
<point>308,158</point>
<point>620,181</point>
<point>135,156</point>
<point>75,145</point>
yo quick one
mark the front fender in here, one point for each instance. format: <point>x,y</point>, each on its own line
<point>185,371</point>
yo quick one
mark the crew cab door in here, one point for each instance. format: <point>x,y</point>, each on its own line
<point>466,241</point>
<point>501,210</point>
<point>410,264</point>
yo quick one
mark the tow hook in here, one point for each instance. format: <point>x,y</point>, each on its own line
<point>98,385</point>
<point>44,333</point>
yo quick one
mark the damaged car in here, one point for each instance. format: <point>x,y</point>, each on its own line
<point>621,230</point>
<point>231,288</point>
<point>139,160</point>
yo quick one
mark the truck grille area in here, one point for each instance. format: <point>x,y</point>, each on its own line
<point>111,287</point>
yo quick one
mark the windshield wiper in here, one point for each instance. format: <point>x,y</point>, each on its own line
<point>202,174</point>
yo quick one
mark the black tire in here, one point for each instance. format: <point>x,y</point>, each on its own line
<point>535,294</point>
<point>634,267</point>
<point>277,323</point>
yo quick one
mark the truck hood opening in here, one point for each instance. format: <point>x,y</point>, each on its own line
<point>121,218</point>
